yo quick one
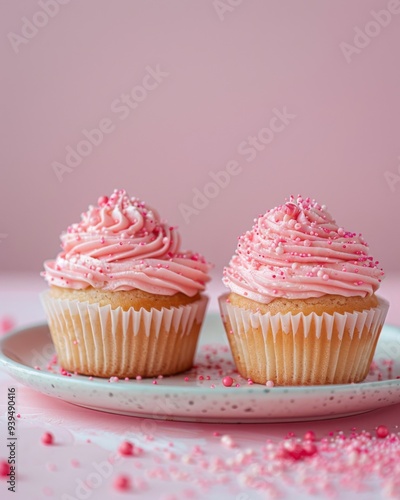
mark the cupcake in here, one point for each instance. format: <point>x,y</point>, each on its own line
<point>124,299</point>
<point>302,307</point>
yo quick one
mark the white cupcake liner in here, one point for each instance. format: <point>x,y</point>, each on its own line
<point>303,349</point>
<point>101,341</point>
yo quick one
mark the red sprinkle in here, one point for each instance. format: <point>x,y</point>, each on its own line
<point>382,431</point>
<point>126,448</point>
<point>122,483</point>
<point>309,436</point>
<point>4,468</point>
<point>102,200</point>
<point>6,324</point>
<point>227,381</point>
<point>309,449</point>
<point>47,438</point>
<point>294,450</point>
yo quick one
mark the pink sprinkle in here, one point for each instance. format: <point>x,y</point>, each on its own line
<point>294,450</point>
<point>75,463</point>
<point>169,455</point>
<point>292,209</point>
<point>47,438</point>
<point>155,382</point>
<point>186,379</point>
<point>270,383</point>
<point>382,431</point>
<point>309,449</point>
<point>6,324</point>
<point>227,381</point>
<point>122,483</point>
<point>138,377</point>
<point>18,415</point>
<point>126,448</point>
<point>102,200</point>
<point>227,441</point>
<point>189,494</point>
<point>309,436</point>
<point>325,277</point>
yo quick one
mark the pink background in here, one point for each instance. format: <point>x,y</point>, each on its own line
<point>225,78</point>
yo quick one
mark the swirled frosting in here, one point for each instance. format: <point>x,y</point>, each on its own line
<point>297,251</point>
<point>122,244</point>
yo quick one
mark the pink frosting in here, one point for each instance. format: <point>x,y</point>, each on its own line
<point>297,251</point>
<point>121,244</point>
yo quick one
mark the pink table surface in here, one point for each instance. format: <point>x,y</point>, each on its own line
<point>183,460</point>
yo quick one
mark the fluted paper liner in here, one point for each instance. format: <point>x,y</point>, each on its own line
<point>298,349</point>
<point>105,342</point>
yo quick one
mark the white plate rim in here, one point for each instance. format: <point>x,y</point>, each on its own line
<point>13,367</point>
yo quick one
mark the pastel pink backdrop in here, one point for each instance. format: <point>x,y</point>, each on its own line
<point>226,75</point>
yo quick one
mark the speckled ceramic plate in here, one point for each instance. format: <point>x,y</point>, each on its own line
<point>199,395</point>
